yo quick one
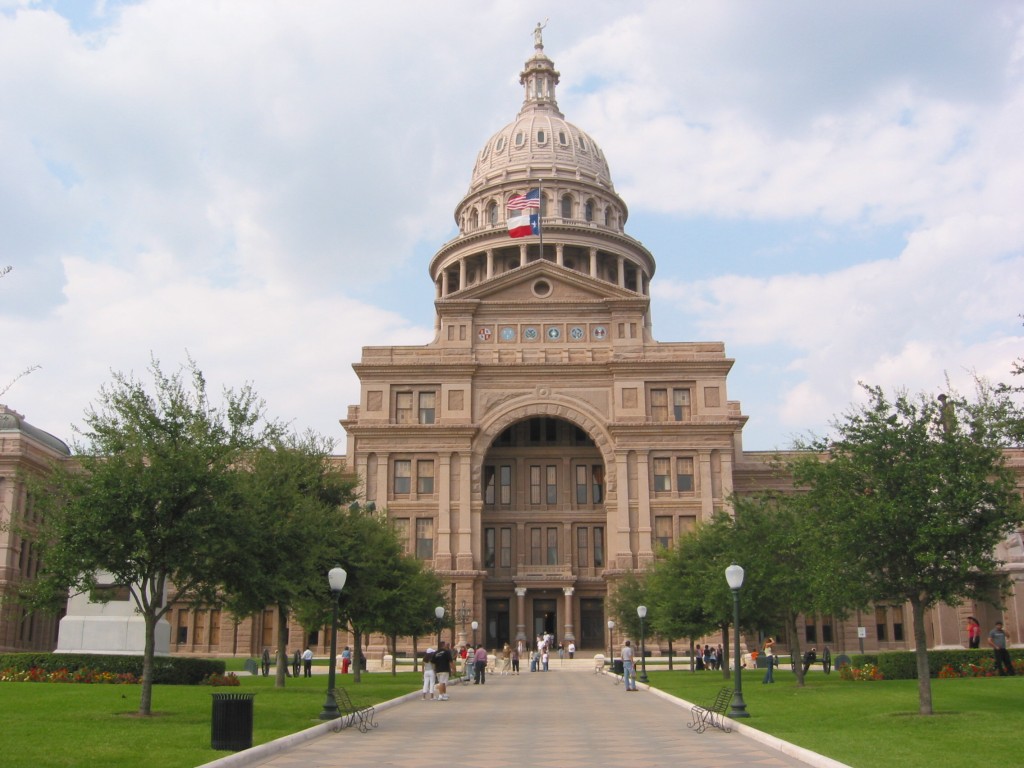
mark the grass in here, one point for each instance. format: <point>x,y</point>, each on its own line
<point>52,725</point>
<point>977,721</point>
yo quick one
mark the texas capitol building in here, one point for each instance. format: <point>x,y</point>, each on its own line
<point>544,443</point>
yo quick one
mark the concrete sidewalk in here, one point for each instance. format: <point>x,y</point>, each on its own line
<point>557,719</point>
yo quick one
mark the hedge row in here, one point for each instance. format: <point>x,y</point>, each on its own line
<point>902,665</point>
<point>167,670</point>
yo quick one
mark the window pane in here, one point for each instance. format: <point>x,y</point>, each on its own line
<point>681,404</point>
<point>684,475</point>
<point>663,531</point>
<point>403,475</point>
<point>582,558</point>
<point>659,405</point>
<point>505,477</point>
<point>426,407</point>
<point>402,532</point>
<point>552,485</point>
<point>489,548</point>
<point>425,476</point>
<point>535,548</point>
<point>599,547</point>
<point>661,475</point>
<point>581,485</point>
<point>488,485</point>
<point>403,407</point>
<point>506,547</point>
<point>535,484</point>
<point>552,546</point>
<point>425,538</point>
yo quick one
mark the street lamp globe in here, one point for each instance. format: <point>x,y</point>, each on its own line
<point>641,611</point>
<point>734,578</point>
<point>336,578</point>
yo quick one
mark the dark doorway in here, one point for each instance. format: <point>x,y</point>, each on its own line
<point>497,624</point>
<point>545,618</point>
<point>592,625</point>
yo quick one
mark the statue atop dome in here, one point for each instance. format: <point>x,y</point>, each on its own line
<point>538,38</point>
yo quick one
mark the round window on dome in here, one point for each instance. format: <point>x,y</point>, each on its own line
<point>500,145</point>
<point>542,289</point>
<point>519,139</point>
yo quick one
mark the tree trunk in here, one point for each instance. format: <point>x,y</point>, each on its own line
<point>924,680</point>
<point>394,655</point>
<point>725,652</point>
<point>795,650</point>
<point>692,659</point>
<point>146,697</point>
<point>280,673</point>
<point>357,654</point>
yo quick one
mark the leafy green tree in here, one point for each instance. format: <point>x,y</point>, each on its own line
<point>288,496</point>
<point>411,611</point>
<point>150,498</point>
<point>916,491</point>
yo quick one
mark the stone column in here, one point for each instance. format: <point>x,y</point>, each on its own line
<point>444,512</point>
<point>462,274</point>
<point>707,501</point>
<point>560,255</point>
<point>644,549</point>
<point>468,543</point>
<point>593,262</point>
<point>444,281</point>
<point>623,552</point>
<point>490,263</point>
<point>521,615</point>
<point>568,635</point>
<point>621,271</point>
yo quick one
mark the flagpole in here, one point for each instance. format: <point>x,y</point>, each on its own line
<point>540,216</point>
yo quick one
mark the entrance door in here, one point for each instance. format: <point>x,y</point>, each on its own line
<point>497,624</point>
<point>545,618</point>
<point>592,623</point>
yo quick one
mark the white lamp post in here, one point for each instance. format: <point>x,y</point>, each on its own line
<point>475,625</point>
<point>641,611</point>
<point>734,577</point>
<point>439,613</point>
<point>611,644</point>
<point>336,578</point>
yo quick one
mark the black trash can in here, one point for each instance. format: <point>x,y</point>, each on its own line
<point>617,667</point>
<point>231,727</point>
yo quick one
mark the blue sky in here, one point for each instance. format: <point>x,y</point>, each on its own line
<point>832,189</point>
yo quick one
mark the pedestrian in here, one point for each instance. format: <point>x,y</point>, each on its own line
<point>769,661</point>
<point>429,677</point>
<point>346,659</point>
<point>628,673</point>
<point>266,662</point>
<point>307,662</point>
<point>480,665</point>
<point>515,659</point>
<point>506,659</point>
<point>572,649</point>
<point>443,661</point>
<point>973,632</point>
<point>296,663</point>
<point>997,639</point>
<point>544,658</point>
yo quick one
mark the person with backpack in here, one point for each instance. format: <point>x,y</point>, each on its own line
<point>443,661</point>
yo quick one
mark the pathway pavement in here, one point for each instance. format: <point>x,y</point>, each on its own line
<point>558,719</point>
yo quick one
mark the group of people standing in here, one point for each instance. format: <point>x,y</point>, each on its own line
<point>709,658</point>
<point>437,669</point>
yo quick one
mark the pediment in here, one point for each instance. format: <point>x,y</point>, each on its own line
<point>543,281</point>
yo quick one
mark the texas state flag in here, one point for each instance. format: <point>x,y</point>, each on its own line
<point>524,225</point>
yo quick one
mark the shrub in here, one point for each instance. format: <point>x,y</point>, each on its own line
<point>862,673</point>
<point>166,670</point>
<point>216,679</point>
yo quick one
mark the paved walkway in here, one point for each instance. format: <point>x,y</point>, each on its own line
<point>559,719</point>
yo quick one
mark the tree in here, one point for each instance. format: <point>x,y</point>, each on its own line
<point>915,491</point>
<point>287,496</point>
<point>410,612</point>
<point>149,499</point>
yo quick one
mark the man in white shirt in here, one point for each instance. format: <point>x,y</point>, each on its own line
<point>628,673</point>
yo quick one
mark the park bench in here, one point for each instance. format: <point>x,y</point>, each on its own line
<point>361,717</point>
<point>712,714</point>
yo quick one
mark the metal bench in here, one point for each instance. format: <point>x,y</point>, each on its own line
<point>361,717</point>
<point>712,714</point>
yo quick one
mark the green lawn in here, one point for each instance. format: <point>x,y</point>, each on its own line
<point>867,724</point>
<point>977,721</point>
<point>54,725</point>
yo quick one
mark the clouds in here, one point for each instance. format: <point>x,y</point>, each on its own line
<point>263,184</point>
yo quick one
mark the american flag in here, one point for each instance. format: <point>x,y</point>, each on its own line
<point>521,202</point>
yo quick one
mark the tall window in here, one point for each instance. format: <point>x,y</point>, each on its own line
<point>588,210</point>
<point>403,408</point>
<point>505,484</point>
<point>425,477</point>
<point>489,548</point>
<point>425,538</point>
<point>552,546</point>
<point>535,484</point>
<point>662,477</point>
<point>681,404</point>
<point>684,474</point>
<point>663,531</point>
<point>582,550</point>
<point>492,214</point>
<point>659,405</point>
<point>489,475</point>
<point>567,207</point>
<point>427,407</point>
<point>581,484</point>
<point>505,548</point>
<point>403,476</point>
<point>669,403</point>
<point>599,547</point>
<point>597,482</point>
<point>535,547</point>
<point>401,525</point>
<point>881,628</point>
<point>551,484</point>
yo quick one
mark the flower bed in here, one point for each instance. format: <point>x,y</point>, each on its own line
<point>83,675</point>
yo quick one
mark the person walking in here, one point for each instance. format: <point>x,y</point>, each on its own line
<point>429,676</point>
<point>997,639</point>
<point>515,659</point>
<point>769,660</point>
<point>628,673</point>
<point>572,649</point>
<point>346,659</point>
<point>506,659</point>
<point>307,662</point>
<point>443,661</point>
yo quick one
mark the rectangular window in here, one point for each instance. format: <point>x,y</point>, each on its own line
<point>826,629</point>
<point>489,485</point>
<point>425,538</point>
<point>581,485</point>
<point>403,408</point>
<point>551,484</point>
<point>401,525</point>
<point>811,633</point>
<point>505,552</point>
<point>552,548</point>
<point>403,476</point>
<point>881,629</point>
<point>897,624</point>
<point>663,531</point>
<point>534,430</point>
<point>534,484</point>
<point>551,430</point>
<point>427,407</point>
<point>582,553</point>
<point>597,477</point>
<point>659,405</point>
<point>684,475</point>
<point>599,547</point>
<point>681,404</point>
<point>489,548</point>
<point>505,483</point>
<point>662,480</point>
<point>535,547</point>
<point>425,477</point>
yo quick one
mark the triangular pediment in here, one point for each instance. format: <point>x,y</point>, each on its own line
<point>543,282</point>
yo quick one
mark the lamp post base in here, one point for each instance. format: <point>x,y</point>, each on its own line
<point>330,710</point>
<point>738,708</point>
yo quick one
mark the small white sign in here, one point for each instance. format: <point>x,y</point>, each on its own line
<point>862,632</point>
